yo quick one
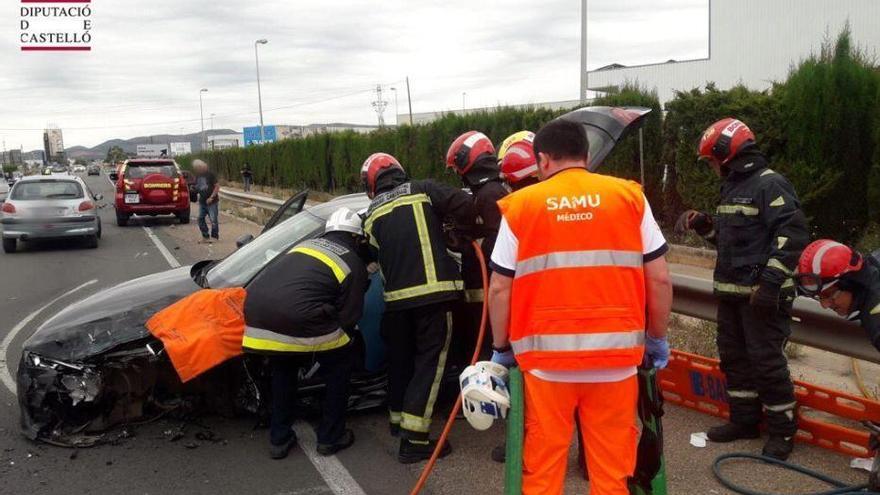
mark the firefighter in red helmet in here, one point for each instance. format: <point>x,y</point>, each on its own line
<point>759,231</point>
<point>519,166</point>
<point>404,226</point>
<point>843,280</point>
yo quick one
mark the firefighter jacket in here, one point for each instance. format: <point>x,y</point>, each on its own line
<point>578,293</point>
<point>485,196</point>
<point>759,230</point>
<point>308,299</point>
<point>405,226</point>
<point>865,286</point>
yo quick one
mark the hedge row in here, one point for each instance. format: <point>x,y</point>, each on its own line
<point>821,128</point>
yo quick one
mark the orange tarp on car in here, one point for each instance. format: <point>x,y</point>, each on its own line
<point>201,330</point>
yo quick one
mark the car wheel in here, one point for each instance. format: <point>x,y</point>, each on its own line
<point>9,245</point>
<point>183,216</point>
<point>92,241</point>
<point>100,230</point>
<point>121,220</point>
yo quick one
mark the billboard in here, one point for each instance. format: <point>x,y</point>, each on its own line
<point>152,150</point>
<point>271,133</point>
<point>178,149</point>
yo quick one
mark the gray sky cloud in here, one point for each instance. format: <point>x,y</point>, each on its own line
<point>149,60</point>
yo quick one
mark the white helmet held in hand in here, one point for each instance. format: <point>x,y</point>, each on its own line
<point>345,220</point>
<point>484,394</point>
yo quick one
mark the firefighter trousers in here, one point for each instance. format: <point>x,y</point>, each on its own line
<point>417,340</point>
<point>607,416</point>
<point>754,364</point>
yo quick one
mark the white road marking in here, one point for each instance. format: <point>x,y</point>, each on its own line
<point>340,481</point>
<point>161,247</point>
<point>6,375</point>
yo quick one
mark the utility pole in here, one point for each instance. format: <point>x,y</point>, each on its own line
<point>396,110</point>
<point>463,95</point>
<point>584,77</point>
<point>212,122</point>
<point>379,105</point>
<point>202,118</point>
<point>409,99</point>
<point>259,92</point>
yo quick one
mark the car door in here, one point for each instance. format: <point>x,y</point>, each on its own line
<point>607,126</point>
<point>290,208</point>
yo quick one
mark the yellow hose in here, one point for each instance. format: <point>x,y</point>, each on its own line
<point>860,382</point>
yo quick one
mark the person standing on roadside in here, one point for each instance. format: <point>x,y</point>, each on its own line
<point>208,190</point>
<point>580,293</point>
<point>247,176</point>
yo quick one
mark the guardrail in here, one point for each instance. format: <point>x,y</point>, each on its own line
<point>263,202</point>
<point>811,325</point>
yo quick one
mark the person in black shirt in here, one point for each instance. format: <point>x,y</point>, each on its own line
<point>208,190</point>
<point>247,176</point>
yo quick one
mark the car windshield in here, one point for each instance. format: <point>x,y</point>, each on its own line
<point>24,191</point>
<point>139,171</point>
<point>237,269</point>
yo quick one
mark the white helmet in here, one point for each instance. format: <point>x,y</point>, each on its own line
<point>484,394</point>
<point>345,220</point>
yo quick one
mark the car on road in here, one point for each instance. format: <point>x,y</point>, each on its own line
<point>94,169</point>
<point>4,190</point>
<point>94,364</point>
<point>150,186</point>
<point>50,207</point>
<point>78,169</point>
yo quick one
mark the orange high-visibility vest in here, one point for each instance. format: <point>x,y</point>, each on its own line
<point>578,295</point>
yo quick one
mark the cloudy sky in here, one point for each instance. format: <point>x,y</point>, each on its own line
<point>323,60</point>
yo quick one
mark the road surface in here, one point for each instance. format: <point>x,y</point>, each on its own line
<point>42,278</point>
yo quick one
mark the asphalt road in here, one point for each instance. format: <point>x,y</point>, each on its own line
<point>36,282</point>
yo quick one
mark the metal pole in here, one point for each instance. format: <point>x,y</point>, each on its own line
<point>259,91</point>
<point>463,95</point>
<point>409,99</point>
<point>396,111</point>
<point>584,80</point>
<point>642,155</point>
<point>202,117</point>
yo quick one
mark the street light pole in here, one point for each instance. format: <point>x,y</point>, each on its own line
<point>584,77</point>
<point>396,111</point>
<point>259,91</point>
<point>463,95</point>
<point>202,117</point>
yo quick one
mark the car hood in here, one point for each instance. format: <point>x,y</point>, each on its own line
<point>606,126</point>
<point>109,318</point>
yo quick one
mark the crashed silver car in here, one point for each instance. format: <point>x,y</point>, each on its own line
<point>95,365</point>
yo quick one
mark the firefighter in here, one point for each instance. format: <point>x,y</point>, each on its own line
<point>843,280</point>
<point>759,231</point>
<point>472,157</point>
<point>422,281</point>
<point>580,292</point>
<point>303,308</point>
<point>519,167</point>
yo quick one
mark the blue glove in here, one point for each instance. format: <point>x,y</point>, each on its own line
<point>657,350</point>
<point>505,358</point>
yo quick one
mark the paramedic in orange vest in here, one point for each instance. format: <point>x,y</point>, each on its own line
<point>580,291</point>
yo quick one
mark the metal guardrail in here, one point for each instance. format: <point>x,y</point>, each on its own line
<point>811,325</point>
<point>263,202</point>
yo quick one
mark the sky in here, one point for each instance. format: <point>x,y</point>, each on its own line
<point>322,63</point>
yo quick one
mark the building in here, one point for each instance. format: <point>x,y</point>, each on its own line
<point>53,145</point>
<point>310,129</point>
<point>754,43</point>
<point>426,117</point>
<point>272,133</point>
<point>225,141</point>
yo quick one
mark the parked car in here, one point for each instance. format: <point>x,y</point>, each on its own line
<point>78,169</point>
<point>151,187</point>
<point>4,190</point>
<point>94,364</point>
<point>94,169</point>
<point>41,207</point>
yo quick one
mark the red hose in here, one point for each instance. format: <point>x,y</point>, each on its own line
<point>451,420</point>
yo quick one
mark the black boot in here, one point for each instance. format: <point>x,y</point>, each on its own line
<point>733,431</point>
<point>344,442</point>
<point>411,452</point>
<point>499,453</point>
<point>280,451</point>
<point>778,447</point>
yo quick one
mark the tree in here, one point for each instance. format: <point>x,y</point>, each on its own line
<point>116,154</point>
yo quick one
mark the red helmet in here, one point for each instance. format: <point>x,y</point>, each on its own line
<point>822,264</point>
<point>374,166</point>
<point>467,149</point>
<point>724,139</point>
<point>517,157</point>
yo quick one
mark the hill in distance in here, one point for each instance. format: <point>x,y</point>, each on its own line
<point>130,145</point>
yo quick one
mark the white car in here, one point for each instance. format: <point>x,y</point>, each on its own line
<point>4,190</point>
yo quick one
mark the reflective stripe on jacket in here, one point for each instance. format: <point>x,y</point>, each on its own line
<point>578,294</point>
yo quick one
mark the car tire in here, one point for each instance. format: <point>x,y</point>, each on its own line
<point>121,220</point>
<point>184,216</point>
<point>100,229</point>
<point>9,245</point>
<point>92,241</point>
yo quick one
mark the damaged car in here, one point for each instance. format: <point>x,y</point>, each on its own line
<point>94,365</point>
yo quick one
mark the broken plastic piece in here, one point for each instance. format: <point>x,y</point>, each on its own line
<point>699,439</point>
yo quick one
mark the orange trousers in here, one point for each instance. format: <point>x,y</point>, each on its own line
<point>607,412</point>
